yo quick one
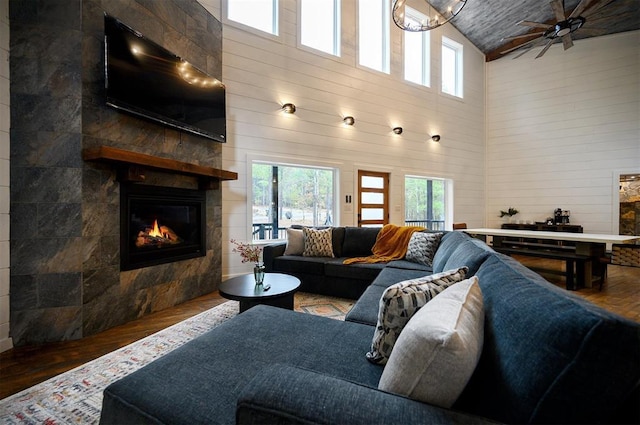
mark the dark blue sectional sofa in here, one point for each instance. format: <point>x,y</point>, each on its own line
<point>548,357</point>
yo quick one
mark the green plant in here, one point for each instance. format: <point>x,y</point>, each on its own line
<point>509,213</point>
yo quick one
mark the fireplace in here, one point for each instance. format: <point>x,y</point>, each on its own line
<point>160,225</point>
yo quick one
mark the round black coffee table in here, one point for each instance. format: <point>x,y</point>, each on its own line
<point>281,288</point>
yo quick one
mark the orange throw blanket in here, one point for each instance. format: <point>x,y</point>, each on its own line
<point>391,244</point>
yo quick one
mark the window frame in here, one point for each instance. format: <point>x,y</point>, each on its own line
<point>448,196</point>
<point>275,35</point>
<point>386,37</point>
<point>458,48</point>
<point>426,52</point>
<point>337,32</point>
<point>289,162</point>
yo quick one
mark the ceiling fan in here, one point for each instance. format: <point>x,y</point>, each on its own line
<point>562,29</point>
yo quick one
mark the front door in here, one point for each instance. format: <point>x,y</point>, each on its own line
<point>373,196</point>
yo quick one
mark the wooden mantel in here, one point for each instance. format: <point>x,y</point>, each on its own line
<point>132,166</point>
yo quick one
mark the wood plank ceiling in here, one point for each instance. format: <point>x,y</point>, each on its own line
<point>486,22</point>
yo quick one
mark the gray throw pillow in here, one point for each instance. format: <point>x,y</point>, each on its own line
<point>399,302</point>
<point>295,242</point>
<point>422,247</point>
<point>439,349</point>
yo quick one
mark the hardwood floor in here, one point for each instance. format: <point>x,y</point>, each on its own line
<point>23,367</point>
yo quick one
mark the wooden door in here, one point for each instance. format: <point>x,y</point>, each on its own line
<point>373,198</point>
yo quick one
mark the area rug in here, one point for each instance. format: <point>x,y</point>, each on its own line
<point>75,397</point>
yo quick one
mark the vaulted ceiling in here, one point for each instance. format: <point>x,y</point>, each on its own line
<point>486,23</point>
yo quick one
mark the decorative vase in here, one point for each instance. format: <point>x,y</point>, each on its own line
<point>258,273</point>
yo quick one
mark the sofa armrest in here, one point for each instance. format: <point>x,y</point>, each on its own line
<point>271,251</point>
<point>282,394</point>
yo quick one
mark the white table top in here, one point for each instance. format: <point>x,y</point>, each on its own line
<point>564,236</point>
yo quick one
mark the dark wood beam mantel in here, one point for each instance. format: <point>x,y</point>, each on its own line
<point>132,166</point>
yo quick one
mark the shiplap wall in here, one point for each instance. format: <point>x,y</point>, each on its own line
<point>5,340</point>
<point>561,128</point>
<point>261,73</point>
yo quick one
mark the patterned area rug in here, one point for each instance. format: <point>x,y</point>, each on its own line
<point>75,397</point>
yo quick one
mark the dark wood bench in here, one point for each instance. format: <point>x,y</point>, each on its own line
<point>569,256</point>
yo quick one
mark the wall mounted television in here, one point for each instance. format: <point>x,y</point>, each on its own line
<point>145,79</point>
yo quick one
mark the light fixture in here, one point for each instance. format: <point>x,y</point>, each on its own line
<point>410,22</point>
<point>435,137</point>
<point>349,120</point>
<point>397,130</point>
<point>289,108</point>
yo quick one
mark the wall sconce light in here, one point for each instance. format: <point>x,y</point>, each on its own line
<point>349,120</point>
<point>435,137</point>
<point>397,130</point>
<point>289,108</point>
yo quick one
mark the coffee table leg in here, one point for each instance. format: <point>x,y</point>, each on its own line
<point>285,301</point>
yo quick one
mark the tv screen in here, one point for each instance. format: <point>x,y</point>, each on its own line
<point>145,79</point>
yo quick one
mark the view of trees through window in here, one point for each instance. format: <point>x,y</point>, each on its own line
<point>285,195</point>
<point>424,200</point>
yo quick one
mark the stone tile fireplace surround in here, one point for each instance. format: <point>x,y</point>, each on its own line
<point>66,281</point>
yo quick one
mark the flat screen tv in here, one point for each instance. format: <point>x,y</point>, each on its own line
<point>145,79</point>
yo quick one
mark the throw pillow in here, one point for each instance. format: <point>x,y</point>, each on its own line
<point>439,348</point>
<point>295,242</point>
<point>317,243</point>
<point>399,302</point>
<point>422,247</point>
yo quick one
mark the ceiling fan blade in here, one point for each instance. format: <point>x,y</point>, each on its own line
<point>515,37</point>
<point>593,31</point>
<point>595,7</point>
<point>526,49</point>
<point>558,9</point>
<point>580,7</point>
<point>543,51</point>
<point>567,42</point>
<point>522,45</point>
<point>534,24</point>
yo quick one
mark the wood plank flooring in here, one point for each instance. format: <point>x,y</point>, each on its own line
<point>23,367</point>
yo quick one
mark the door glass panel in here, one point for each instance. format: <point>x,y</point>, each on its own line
<point>372,213</point>
<point>371,182</point>
<point>372,198</point>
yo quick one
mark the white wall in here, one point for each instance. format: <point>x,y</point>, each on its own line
<point>261,73</point>
<point>5,340</point>
<point>561,128</point>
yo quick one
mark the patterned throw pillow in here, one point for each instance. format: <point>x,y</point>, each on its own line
<point>422,247</point>
<point>317,243</point>
<point>399,302</point>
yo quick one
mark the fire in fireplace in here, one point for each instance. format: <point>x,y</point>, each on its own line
<point>161,225</point>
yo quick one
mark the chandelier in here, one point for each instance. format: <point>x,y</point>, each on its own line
<point>447,10</point>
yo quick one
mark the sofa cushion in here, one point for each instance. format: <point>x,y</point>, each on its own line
<point>549,356</point>
<point>317,243</point>
<point>365,310</point>
<point>400,302</point>
<point>359,271</point>
<point>358,241</point>
<point>201,381</point>
<point>448,243</point>
<point>422,247</point>
<point>295,264</point>
<point>471,253</point>
<point>295,242</point>
<point>404,264</point>
<point>439,348</point>
<point>337,239</point>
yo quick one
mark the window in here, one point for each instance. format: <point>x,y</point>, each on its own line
<point>284,195</point>
<point>424,202</point>
<point>451,67</point>
<point>320,25</point>
<point>259,14</point>
<point>416,50</point>
<point>373,34</point>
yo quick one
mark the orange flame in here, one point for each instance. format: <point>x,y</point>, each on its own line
<point>156,230</point>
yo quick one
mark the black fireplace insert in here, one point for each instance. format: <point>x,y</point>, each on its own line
<point>160,225</point>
